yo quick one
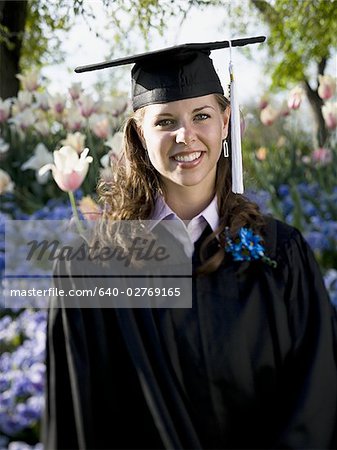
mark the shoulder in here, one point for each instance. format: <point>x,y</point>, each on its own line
<point>295,258</point>
<point>281,238</point>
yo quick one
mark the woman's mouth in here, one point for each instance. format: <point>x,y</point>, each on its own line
<point>188,159</point>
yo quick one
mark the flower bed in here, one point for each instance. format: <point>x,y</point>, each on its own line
<point>22,350</point>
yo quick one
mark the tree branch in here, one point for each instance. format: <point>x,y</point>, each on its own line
<point>265,9</point>
<point>322,65</point>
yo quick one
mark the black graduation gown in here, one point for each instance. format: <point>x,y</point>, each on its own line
<point>252,365</point>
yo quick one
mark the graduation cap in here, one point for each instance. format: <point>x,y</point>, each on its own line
<point>181,72</point>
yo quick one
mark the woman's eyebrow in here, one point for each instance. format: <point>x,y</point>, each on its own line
<point>202,107</point>
<point>194,111</point>
<point>163,114</point>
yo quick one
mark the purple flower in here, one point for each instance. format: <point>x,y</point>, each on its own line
<point>10,425</point>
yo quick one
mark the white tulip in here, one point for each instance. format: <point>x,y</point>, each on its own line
<point>29,80</point>
<point>75,140</point>
<point>40,158</point>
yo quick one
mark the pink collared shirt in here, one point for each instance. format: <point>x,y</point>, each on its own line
<point>189,231</point>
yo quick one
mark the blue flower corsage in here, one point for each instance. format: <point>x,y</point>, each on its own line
<point>246,246</point>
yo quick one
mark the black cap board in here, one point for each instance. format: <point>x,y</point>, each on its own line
<point>174,73</point>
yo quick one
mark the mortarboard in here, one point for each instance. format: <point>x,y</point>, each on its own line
<point>181,72</point>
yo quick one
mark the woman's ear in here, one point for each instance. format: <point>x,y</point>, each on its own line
<point>226,115</point>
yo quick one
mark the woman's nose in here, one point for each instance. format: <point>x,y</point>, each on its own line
<point>185,135</point>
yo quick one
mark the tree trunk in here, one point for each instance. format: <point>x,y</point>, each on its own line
<point>316,104</point>
<point>12,16</point>
<point>270,16</point>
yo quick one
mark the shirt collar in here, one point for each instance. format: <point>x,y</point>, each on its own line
<point>163,212</point>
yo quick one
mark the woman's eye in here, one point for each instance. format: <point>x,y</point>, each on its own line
<point>164,123</point>
<point>202,116</point>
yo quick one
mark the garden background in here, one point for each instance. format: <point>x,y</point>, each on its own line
<point>289,123</point>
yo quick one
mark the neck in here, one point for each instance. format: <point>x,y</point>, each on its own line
<point>187,202</point>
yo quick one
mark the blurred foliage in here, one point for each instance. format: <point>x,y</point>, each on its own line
<point>300,33</point>
<point>42,37</point>
<point>42,42</point>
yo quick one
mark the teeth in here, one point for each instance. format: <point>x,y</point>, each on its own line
<point>188,158</point>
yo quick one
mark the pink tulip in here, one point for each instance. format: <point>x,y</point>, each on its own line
<point>87,105</point>
<point>73,120</point>
<point>295,98</point>
<point>321,156</point>
<point>42,100</point>
<point>115,106</point>
<point>58,103</point>
<point>329,111</point>
<point>69,169</point>
<point>24,119</point>
<point>268,115</point>
<point>284,111</point>
<point>264,101</point>
<point>75,90</point>
<point>327,86</point>
<point>100,126</point>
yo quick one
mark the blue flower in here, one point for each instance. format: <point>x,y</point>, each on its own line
<point>246,246</point>
<point>261,198</point>
<point>316,240</point>
<point>283,190</point>
<point>308,208</point>
<point>22,370</point>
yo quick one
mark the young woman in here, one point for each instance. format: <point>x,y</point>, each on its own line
<point>252,364</point>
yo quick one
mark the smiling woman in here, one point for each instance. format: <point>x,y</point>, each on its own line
<point>183,140</point>
<point>251,364</point>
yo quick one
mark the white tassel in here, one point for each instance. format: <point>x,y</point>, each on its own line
<point>237,175</point>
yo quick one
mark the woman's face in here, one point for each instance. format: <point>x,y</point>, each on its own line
<point>184,140</point>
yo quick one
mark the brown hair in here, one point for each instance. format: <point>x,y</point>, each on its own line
<point>135,183</point>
